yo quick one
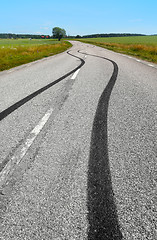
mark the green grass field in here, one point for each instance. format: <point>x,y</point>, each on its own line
<point>14,52</point>
<point>144,47</point>
<point>25,42</point>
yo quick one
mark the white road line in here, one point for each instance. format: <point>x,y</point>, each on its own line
<point>20,153</point>
<point>10,71</point>
<point>150,65</point>
<point>75,74</point>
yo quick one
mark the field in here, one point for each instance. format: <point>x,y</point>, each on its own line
<point>14,52</point>
<point>144,47</point>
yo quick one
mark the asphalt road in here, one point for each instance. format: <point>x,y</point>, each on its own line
<point>78,148</point>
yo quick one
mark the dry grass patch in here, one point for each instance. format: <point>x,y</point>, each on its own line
<point>15,56</point>
<point>143,51</point>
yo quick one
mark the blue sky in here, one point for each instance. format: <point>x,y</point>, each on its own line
<point>79,17</point>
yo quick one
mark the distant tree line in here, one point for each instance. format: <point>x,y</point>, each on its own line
<point>112,35</point>
<point>59,33</point>
<point>107,35</point>
<point>12,35</point>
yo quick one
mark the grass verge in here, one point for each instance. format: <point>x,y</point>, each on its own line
<point>143,51</point>
<point>17,54</point>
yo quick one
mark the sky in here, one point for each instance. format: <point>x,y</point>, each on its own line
<point>81,17</point>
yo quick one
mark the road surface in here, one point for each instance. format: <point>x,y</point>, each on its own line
<point>78,147</point>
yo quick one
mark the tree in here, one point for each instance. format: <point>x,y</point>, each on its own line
<point>58,33</point>
<point>78,36</point>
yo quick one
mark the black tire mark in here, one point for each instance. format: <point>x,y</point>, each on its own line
<point>102,212</point>
<point>18,104</point>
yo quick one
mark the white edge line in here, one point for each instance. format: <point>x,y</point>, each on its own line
<point>150,65</point>
<point>17,157</point>
<point>75,74</point>
<point>11,71</point>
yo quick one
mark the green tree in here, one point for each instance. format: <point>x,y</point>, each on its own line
<point>78,36</point>
<point>58,33</point>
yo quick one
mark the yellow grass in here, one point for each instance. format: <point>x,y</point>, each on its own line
<point>15,56</point>
<point>143,51</point>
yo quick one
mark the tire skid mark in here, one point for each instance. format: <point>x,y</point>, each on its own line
<point>102,211</point>
<point>7,165</point>
<point>18,104</point>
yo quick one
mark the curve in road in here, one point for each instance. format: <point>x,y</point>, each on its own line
<point>102,213</point>
<point>18,104</point>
